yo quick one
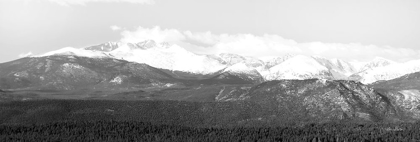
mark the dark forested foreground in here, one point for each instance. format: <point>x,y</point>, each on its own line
<point>141,131</point>
<point>104,120</point>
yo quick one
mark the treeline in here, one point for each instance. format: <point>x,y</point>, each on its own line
<point>142,131</point>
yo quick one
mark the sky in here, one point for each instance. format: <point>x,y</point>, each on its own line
<point>347,29</point>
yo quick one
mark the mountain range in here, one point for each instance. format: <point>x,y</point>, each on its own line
<point>175,58</point>
<point>290,88</point>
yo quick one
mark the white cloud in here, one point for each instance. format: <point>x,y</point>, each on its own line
<point>22,55</point>
<point>266,45</point>
<point>83,2</point>
<point>206,37</point>
<point>155,33</point>
<point>115,28</point>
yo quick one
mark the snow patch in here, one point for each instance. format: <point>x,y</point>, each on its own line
<point>323,81</point>
<point>117,80</point>
<point>70,65</point>
<point>240,68</point>
<point>159,84</point>
<point>411,95</point>
<point>21,74</point>
<point>169,85</point>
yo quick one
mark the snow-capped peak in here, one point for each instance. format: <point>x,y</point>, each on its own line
<point>339,68</point>
<point>148,44</point>
<point>239,68</point>
<point>231,59</point>
<point>391,71</point>
<point>166,56</point>
<point>377,62</point>
<point>244,71</point>
<point>76,52</point>
<point>105,47</point>
<point>298,67</point>
<point>271,61</point>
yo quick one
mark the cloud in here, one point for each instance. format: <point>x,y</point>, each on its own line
<point>83,2</point>
<point>155,33</point>
<point>266,45</point>
<point>206,37</point>
<point>115,28</point>
<point>22,55</point>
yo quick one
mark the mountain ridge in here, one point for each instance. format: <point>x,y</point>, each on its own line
<point>176,58</point>
<point>290,100</point>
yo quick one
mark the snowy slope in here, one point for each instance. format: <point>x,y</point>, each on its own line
<point>232,59</point>
<point>271,61</point>
<point>389,72</point>
<point>172,57</point>
<point>298,67</point>
<point>366,72</point>
<point>249,62</point>
<point>358,65</point>
<point>244,71</point>
<point>76,52</point>
<point>304,67</point>
<point>242,68</point>
<point>339,68</point>
<point>377,62</point>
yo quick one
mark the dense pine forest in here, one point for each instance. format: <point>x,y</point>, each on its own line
<point>100,120</point>
<point>143,131</point>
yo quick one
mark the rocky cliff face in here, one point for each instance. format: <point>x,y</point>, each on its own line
<point>318,100</point>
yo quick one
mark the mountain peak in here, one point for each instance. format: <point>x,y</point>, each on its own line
<point>111,46</point>
<point>239,67</point>
<point>243,71</point>
<point>271,61</point>
<point>377,62</point>
<point>104,47</point>
<point>147,44</point>
<point>231,58</point>
<point>299,67</point>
